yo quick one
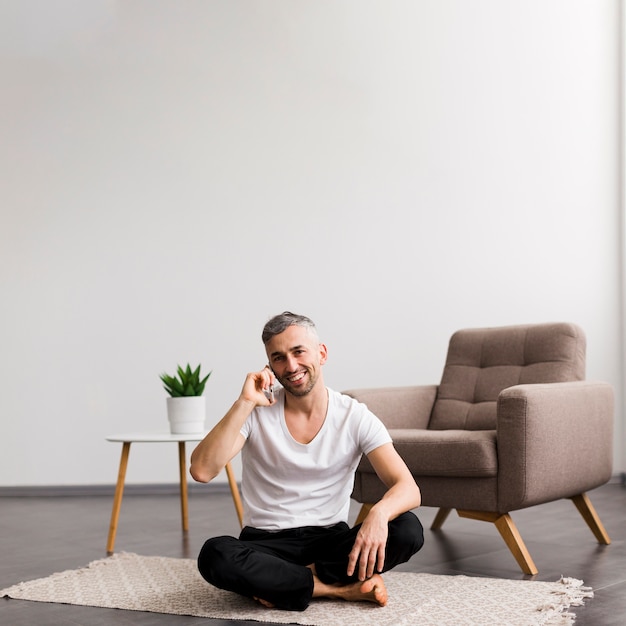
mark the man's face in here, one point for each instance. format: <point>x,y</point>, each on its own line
<point>296,358</point>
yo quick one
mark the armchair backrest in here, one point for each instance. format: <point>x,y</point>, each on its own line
<point>482,362</point>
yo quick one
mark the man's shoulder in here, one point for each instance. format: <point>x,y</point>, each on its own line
<point>266,414</point>
<point>346,405</point>
<point>341,399</point>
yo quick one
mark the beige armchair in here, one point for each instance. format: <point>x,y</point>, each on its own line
<point>512,424</point>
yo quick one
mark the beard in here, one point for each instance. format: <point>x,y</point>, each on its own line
<point>298,391</point>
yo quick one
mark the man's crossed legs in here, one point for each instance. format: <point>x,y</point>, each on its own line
<point>287,568</point>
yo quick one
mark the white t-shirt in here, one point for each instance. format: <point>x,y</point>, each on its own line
<point>287,484</point>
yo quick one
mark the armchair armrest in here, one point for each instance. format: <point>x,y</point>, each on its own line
<point>399,407</point>
<point>554,441</point>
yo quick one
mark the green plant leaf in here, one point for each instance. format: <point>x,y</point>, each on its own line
<point>188,382</point>
<point>202,383</point>
<point>167,383</point>
<point>195,377</point>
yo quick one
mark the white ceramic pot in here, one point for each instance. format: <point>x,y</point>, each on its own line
<point>186,415</point>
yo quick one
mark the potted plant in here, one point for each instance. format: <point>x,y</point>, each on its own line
<point>186,410</point>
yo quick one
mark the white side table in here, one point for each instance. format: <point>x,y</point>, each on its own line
<point>163,437</point>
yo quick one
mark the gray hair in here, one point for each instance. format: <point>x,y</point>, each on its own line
<point>280,323</point>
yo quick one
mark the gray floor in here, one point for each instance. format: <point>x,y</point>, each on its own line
<point>42,535</point>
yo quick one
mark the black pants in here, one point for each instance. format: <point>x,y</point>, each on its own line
<point>273,565</point>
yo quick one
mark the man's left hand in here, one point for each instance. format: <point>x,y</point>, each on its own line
<point>368,553</point>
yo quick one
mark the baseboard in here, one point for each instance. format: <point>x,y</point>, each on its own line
<point>164,489</point>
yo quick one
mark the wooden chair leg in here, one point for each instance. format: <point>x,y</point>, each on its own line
<point>586,509</point>
<point>440,518</point>
<point>365,509</point>
<point>507,529</point>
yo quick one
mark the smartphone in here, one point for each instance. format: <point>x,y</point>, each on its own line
<point>269,393</point>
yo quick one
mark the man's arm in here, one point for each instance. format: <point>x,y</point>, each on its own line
<point>225,439</point>
<point>403,494</point>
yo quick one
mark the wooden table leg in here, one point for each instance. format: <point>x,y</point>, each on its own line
<point>182,462</point>
<point>234,490</point>
<point>117,499</point>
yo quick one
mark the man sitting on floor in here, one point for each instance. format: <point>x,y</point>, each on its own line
<point>300,449</point>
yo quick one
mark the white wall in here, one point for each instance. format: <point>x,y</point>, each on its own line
<point>173,173</point>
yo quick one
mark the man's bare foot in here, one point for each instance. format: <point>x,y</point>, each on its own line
<point>371,590</point>
<point>374,590</point>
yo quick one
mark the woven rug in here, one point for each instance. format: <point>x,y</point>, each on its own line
<point>174,586</point>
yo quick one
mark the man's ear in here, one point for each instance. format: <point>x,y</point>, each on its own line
<point>323,353</point>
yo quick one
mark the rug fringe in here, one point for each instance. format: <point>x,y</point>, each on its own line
<point>572,592</point>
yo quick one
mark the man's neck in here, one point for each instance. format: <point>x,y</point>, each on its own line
<point>305,415</point>
<point>313,405</point>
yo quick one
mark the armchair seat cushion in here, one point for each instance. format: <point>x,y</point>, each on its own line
<point>459,453</point>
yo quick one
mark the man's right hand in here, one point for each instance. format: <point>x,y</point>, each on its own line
<point>254,385</point>
<point>225,440</point>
